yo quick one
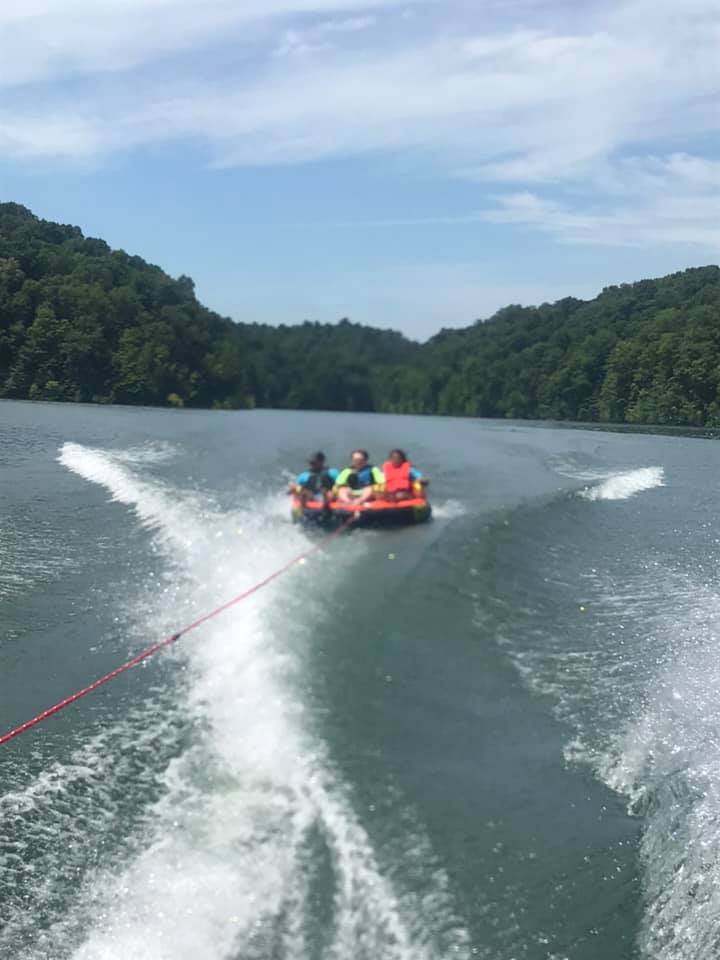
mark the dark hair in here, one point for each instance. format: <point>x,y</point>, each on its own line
<point>400,452</point>
<point>363,453</point>
<point>318,456</point>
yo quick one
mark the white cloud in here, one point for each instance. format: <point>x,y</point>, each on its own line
<point>348,25</point>
<point>315,39</point>
<point>515,104</point>
<point>44,39</point>
<point>40,136</point>
<point>296,44</point>
<point>552,105</point>
<point>653,202</point>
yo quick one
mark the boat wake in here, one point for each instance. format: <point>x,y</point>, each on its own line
<point>622,486</point>
<point>449,510</point>
<point>666,761</point>
<point>248,844</point>
<point>637,682</point>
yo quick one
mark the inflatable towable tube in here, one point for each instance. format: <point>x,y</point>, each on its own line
<point>376,513</point>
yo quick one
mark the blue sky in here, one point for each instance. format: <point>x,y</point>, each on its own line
<point>407,164</point>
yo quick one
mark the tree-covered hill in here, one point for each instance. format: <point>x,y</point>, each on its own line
<point>79,321</point>
<point>646,352</point>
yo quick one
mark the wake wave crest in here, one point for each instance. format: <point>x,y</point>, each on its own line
<point>158,508</point>
<point>622,486</point>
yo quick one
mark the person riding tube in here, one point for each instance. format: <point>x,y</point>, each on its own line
<point>361,481</point>
<point>403,481</point>
<point>315,483</point>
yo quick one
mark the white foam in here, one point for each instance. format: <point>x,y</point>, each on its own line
<point>449,510</point>
<point>228,857</point>
<point>667,762</point>
<point>622,486</point>
<point>172,517</point>
<point>67,805</point>
<point>642,697</point>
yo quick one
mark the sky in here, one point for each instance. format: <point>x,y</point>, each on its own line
<point>414,164</point>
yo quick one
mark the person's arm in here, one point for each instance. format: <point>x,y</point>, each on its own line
<point>300,480</point>
<point>419,483</point>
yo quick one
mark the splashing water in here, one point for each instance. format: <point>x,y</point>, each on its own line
<point>247,843</point>
<point>666,760</point>
<point>622,486</point>
<point>636,678</point>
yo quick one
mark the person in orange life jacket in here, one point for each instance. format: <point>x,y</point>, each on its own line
<point>361,481</point>
<point>403,481</point>
<point>316,483</point>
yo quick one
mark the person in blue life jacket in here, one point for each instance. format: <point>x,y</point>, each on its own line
<point>315,483</point>
<point>361,481</point>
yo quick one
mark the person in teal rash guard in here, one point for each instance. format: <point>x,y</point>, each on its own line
<point>361,481</point>
<point>315,483</point>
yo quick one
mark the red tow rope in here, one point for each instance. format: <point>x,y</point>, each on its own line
<point>101,681</point>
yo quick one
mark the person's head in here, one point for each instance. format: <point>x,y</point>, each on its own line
<point>317,460</point>
<point>359,459</point>
<point>397,457</point>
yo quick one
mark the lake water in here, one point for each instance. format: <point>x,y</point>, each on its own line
<point>496,735</point>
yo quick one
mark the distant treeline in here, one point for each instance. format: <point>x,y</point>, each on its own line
<point>82,322</point>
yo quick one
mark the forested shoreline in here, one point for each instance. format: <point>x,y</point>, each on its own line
<point>82,322</point>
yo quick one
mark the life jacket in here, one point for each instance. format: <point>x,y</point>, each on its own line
<point>363,477</point>
<point>397,479</point>
<point>317,481</point>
